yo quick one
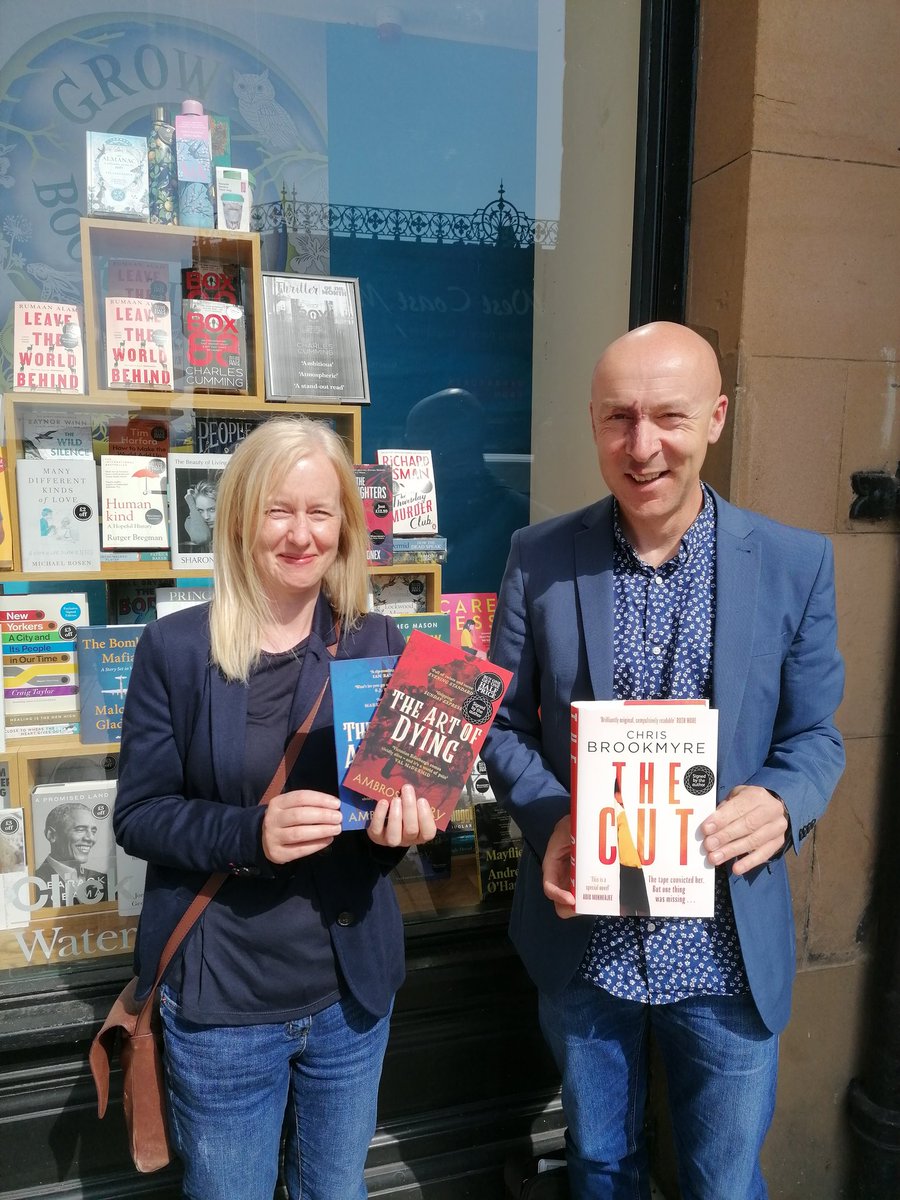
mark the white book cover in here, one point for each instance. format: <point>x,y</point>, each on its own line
<point>397,595</point>
<point>118,176</point>
<point>58,525</point>
<point>193,489</point>
<point>14,913</point>
<point>40,672</point>
<point>173,599</point>
<point>73,848</point>
<point>643,782</point>
<point>415,500</point>
<point>138,344</point>
<point>131,875</point>
<point>133,502</point>
<point>57,435</point>
<point>48,347</point>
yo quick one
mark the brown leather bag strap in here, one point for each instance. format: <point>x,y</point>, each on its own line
<point>200,902</point>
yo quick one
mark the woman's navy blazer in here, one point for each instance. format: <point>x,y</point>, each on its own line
<point>178,804</point>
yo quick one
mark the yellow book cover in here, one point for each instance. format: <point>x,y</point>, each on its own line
<point>6,554</point>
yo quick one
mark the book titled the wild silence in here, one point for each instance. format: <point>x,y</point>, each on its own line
<point>643,782</point>
<point>429,725</point>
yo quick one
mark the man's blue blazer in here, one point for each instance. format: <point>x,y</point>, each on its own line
<point>777,680</point>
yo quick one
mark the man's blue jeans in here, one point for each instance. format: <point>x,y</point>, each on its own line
<point>229,1089</point>
<point>721,1065</point>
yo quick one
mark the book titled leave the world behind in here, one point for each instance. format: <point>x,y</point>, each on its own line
<point>58,522</point>
<point>357,684</point>
<point>48,348</point>
<point>643,782</point>
<point>138,344</point>
<point>429,725</point>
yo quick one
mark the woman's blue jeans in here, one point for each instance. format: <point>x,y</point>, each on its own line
<point>229,1089</point>
<point>721,1067</point>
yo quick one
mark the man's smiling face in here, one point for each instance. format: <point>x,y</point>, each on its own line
<point>655,408</point>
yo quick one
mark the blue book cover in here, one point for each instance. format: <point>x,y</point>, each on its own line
<point>105,655</point>
<point>356,688</point>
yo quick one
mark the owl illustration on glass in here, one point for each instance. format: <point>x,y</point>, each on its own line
<point>263,113</point>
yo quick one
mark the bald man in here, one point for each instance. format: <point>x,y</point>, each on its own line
<point>664,591</point>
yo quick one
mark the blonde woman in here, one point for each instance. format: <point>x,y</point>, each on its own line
<point>276,1009</point>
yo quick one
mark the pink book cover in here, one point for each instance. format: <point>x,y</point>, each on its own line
<point>471,619</point>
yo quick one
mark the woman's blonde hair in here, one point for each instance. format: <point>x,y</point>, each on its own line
<point>258,467</point>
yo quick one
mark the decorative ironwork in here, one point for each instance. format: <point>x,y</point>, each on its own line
<point>497,224</point>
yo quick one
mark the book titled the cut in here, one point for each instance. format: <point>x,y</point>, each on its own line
<point>643,782</point>
<point>429,725</point>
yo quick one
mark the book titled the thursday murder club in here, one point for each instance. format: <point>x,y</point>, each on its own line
<point>643,782</point>
<point>429,725</point>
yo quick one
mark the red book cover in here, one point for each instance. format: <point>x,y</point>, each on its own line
<point>429,725</point>
<point>139,435</point>
<point>471,618</point>
<point>375,483</point>
<point>219,281</point>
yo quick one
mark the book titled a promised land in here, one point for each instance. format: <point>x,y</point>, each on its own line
<point>643,782</point>
<point>429,725</point>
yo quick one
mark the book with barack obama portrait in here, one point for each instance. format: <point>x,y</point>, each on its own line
<point>643,783</point>
<point>429,725</point>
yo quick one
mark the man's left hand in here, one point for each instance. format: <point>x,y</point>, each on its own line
<point>749,826</point>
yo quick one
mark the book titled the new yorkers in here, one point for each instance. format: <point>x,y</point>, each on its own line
<point>357,684</point>
<point>58,523</point>
<point>415,501</point>
<point>429,725</point>
<point>376,490</point>
<point>40,674</point>
<point>138,344</point>
<point>643,782</point>
<point>48,349</point>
